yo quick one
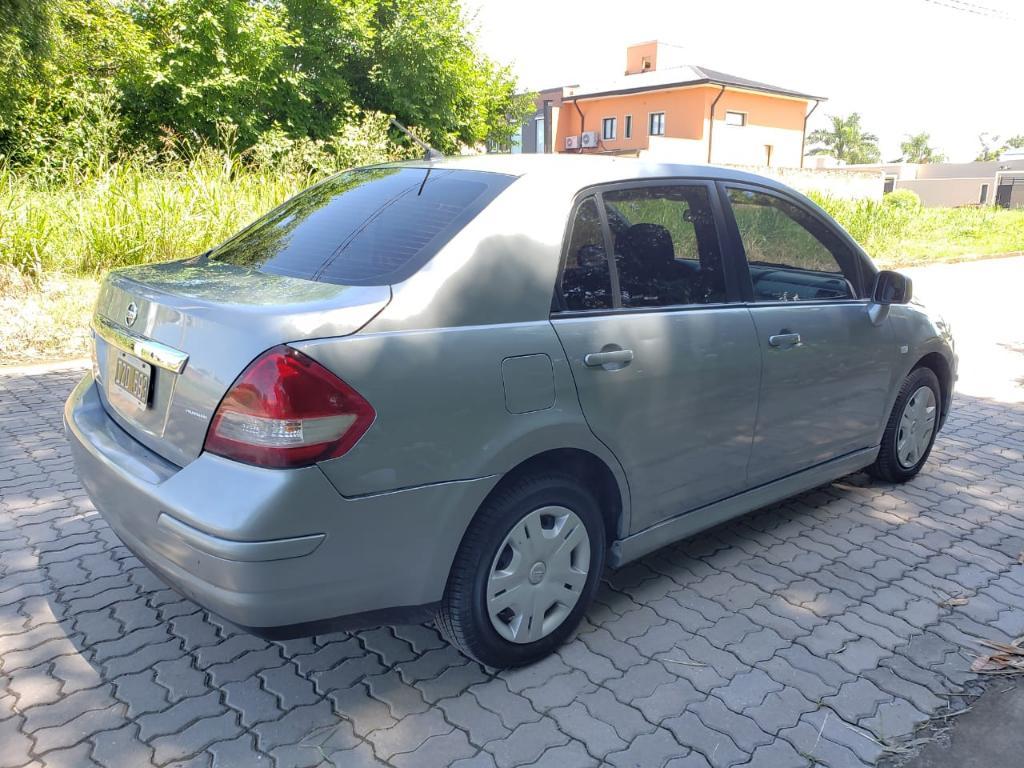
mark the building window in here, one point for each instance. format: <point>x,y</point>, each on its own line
<point>628,127</point>
<point>889,185</point>
<point>538,136</point>
<point>608,128</point>
<point>984,194</point>
<point>656,125</point>
<point>646,63</point>
<point>736,118</point>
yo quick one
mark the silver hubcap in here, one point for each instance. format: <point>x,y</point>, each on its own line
<point>538,575</point>
<point>916,427</point>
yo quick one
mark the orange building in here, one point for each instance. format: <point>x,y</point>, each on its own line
<point>683,113</point>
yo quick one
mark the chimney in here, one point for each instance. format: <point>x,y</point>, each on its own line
<point>649,56</point>
<point>642,57</point>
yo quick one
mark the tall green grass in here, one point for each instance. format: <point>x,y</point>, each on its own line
<point>898,231</point>
<point>132,212</point>
<point>138,211</point>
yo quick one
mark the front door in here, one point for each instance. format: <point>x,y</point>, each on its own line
<point>665,366</point>
<point>826,367</point>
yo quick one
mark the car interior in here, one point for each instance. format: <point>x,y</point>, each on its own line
<point>653,273</point>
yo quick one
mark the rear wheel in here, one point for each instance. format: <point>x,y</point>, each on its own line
<point>525,572</point>
<point>910,432</point>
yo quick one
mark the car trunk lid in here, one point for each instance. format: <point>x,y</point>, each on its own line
<point>175,336</point>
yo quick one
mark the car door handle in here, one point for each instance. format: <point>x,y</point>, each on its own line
<point>597,359</point>
<point>786,339</point>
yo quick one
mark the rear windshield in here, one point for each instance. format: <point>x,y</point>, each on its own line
<point>370,226</point>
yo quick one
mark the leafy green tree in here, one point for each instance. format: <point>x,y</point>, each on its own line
<point>846,141</point>
<point>917,148</point>
<point>424,67</point>
<point>82,81</point>
<point>213,62</point>
<point>990,147</point>
<point>1014,142</point>
<point>328,37</point>
<point>62,65</point>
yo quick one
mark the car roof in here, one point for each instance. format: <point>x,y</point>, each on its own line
<point>586,170</point>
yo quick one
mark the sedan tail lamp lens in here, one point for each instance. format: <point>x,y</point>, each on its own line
<point>287,410</point>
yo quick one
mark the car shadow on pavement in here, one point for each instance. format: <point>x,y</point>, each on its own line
<point>828,627</point>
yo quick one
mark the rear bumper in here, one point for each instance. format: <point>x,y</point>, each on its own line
<point>279,552</point>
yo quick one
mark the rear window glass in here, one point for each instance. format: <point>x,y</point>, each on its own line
<point>370,226</point>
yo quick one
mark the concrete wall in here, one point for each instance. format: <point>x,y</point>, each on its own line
<point>947,185</point>
<point>528,132</point>
<point>949,193</point>
<point>837,182</point>
<point>770,121</point>
<point>668,150</point>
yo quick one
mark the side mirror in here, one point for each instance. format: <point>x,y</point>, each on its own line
<point>892,288</point>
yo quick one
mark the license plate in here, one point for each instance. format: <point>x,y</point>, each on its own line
<point>132,376</point>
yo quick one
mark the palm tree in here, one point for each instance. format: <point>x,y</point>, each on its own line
<point>916,149</point>
<point>847,142</point>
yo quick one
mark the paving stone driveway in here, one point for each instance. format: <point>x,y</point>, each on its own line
<point>809,632</point>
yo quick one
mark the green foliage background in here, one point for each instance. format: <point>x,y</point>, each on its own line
<point>85,82</point>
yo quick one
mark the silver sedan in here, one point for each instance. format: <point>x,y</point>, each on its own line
<point>459,389</point>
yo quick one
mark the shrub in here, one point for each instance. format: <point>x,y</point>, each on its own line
<point>902,199</point>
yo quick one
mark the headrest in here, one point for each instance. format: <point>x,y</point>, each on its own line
<point>652,241</point>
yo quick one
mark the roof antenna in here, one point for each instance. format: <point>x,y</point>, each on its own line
<point>429,153</point>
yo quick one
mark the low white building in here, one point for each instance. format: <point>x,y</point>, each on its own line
<point>997,182</point>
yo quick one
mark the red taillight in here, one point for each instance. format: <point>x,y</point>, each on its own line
<point>287,410</point>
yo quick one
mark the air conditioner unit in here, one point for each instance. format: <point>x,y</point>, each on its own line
<point>572,142</point>
<point>589,139</point>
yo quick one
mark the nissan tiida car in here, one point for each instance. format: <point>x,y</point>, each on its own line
<point>459,389</point>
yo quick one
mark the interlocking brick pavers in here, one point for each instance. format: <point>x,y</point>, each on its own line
<point>813,630</point>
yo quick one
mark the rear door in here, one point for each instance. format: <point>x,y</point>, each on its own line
<point>827,368</point>
<point>666,366</point>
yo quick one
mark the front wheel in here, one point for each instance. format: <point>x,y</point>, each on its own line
<point>525,572</point>
<point>910,432</point>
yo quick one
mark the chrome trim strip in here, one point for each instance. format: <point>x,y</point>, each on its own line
<point>152,352</point>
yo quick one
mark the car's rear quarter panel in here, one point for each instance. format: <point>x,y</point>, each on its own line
<point>431,362</point>
<point>441,405</point>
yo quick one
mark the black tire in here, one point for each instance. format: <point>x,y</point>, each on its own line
<point>888,466</point>
<point>463,617</point>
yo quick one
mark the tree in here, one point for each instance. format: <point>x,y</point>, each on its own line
<point>846,141</point>
<point>916,149</point>
<point>992,147</point>
<point>213,62</point>
<point>424,67</point>
<point>85,80</point>
<point>61,66</point>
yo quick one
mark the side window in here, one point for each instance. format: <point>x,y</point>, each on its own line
<point>666,246</point>
<point>792,255</point>
<point>585,281</point>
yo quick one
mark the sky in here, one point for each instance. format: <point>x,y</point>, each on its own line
<point>949,67</point>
